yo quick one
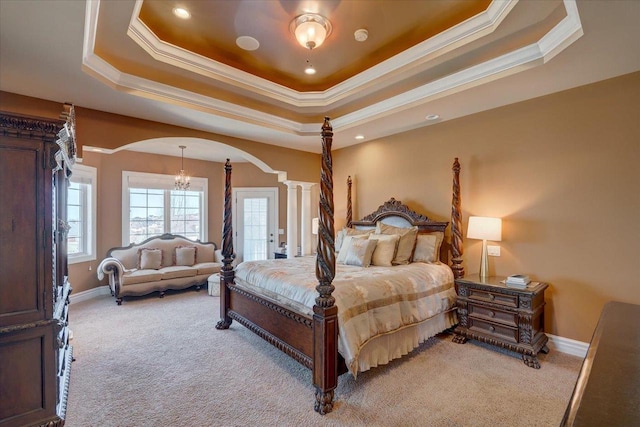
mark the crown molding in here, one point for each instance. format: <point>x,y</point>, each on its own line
<point>459,35</point>
<point>562,35</point>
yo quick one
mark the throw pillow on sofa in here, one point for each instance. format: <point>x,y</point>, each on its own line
<point>185,255</point>
<point>149,259</point>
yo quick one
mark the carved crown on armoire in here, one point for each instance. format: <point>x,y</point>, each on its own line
<point>36,157</point>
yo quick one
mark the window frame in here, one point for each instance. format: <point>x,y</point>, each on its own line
<point>163,182</point>
<point>89,211</point>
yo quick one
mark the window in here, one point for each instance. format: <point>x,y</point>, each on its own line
<point>150,207</point>
<point>81,214</point>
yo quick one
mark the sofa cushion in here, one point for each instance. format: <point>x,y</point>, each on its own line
<point>140,276</point>
<point>177,272</point>
<point>149,258</point>
<point>208,267</point>
<point>185,255</point>
<point>205,254</point>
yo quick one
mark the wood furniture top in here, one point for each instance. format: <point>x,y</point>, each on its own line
<point>608,387</point>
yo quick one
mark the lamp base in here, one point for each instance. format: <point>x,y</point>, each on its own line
<point>484,261</point>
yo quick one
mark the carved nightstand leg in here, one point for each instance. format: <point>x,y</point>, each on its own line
<point>459,339</point>
<point>531,361</point>
<point>545,349</point>
<point>119,301</point>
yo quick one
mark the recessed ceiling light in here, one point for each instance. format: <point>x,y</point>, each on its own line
<point>359,137</point>
<point>432,117</point>
<point>309,70</point>
<point>181,13</point>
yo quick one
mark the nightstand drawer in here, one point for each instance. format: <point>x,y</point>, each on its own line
<point>494,297</point>
<point>485,313</point>
<point>502,332</point>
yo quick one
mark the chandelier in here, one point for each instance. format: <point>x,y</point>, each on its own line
<point>182,180</point>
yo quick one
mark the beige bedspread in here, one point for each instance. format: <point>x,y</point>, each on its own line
<point>371,301</point>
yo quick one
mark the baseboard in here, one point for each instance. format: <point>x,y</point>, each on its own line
<point>569,346</point>
<point>91,293</point>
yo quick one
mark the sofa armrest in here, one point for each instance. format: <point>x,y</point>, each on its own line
<point>114,269</point>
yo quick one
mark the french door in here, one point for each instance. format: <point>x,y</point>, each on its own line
<point>255,222</point>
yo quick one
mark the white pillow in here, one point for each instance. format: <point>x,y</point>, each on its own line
<point>149,258</point>
<point>356,250</point>
<point>349,232</point>
<point>385,249</point>
<point>185,255</point>
<point>428,247</point>
<point>406,243</point>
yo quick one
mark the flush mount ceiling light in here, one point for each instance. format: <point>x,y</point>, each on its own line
<point>432,117</point>
<point>181,13</point>
<point>310,30</point>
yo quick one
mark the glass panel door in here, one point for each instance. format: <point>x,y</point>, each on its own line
<point>255,223</point>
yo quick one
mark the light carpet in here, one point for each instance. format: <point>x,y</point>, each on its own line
<point>161,362</point>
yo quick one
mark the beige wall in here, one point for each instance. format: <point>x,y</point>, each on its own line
<point>561,170</point>
<point>99,129</point>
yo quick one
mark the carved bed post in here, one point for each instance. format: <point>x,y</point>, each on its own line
<point>228,274</point>
<point>456,224</point>
<point>349,204</point>
<point>325,313</point>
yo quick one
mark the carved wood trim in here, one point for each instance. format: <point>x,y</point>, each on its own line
<point>297,317</point>
<point>457,248</point>
<point>349,203</point>
<point>325,330</point>
<point>300,357</point>
<point>15,125</point>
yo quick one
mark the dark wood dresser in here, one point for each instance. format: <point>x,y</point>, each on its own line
<point>607,392</point>
<point>502,316</point>
<point>35,355</point>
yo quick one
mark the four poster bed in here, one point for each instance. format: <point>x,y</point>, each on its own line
<point>384,311</point>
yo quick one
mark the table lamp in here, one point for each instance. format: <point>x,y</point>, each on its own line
<point>484,228</point>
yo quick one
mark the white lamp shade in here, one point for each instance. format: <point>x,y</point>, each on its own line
<point>485,228</point>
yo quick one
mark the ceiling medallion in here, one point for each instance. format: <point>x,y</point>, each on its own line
<point>310,30</point>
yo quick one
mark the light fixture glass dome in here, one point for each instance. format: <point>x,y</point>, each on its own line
<point>311,30</point>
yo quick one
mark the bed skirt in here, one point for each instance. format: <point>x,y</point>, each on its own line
<point>385,348</point>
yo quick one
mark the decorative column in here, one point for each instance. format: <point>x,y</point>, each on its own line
<point>305,217</point>
<point>292,218</point>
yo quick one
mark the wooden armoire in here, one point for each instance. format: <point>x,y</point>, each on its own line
<point>35,356</point>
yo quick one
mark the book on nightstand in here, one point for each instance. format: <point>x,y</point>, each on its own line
<point>517,281</point>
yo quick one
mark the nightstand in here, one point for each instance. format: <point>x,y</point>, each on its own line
<point>279,255</point>
<point>502,316</point>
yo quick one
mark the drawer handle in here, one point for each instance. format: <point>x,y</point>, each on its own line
<point>492,314</point>
<point>491,297</point>
<point>492,328</point>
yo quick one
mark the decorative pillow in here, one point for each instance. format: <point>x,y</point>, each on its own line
<point>406,243</point>
<point>149,259</point>
<point>349,232</point>
<point>385,249</point>
<point>428,247</point>
<point>185,255</point>
<point>357,250</point>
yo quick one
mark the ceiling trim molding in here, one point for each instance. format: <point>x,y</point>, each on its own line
<point>461,34</point>
<point>562,35</point>
<point>558,38</point>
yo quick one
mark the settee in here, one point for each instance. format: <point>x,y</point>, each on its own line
<point>158,264</point>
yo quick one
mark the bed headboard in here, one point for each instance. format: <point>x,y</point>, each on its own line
<point>394,212</point>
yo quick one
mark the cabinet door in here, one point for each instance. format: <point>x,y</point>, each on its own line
<point>23,226</point>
